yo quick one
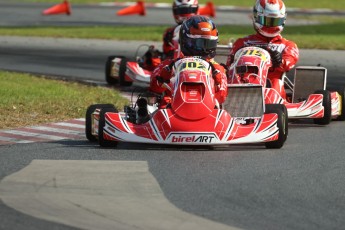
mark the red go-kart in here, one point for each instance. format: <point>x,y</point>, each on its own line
<point>308,97</point>
<point>194,117</point>
<point>123,71</point>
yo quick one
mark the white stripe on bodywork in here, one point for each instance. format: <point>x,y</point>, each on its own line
<point>257,125</point>
<point>165,114</point>
<point>125,124</point>
<point>155,130</point>
<point>229,130</point>
<point>219,115</point>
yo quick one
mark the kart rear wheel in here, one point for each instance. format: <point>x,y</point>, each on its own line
<point>108,66</point>
<point>282,124</point>
<point>122,73</point>
<point>102,142</point>
<point>88,119</point>
<point>341,117</point>
<point>327,104</point>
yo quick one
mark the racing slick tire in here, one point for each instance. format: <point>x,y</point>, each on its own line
<point>101,123</point>
<point>88,119</point>
<point>341,117</point>
<point>108,65</point>
<point>327,104</point>
<point>122,72</point>
<point>282,124</point>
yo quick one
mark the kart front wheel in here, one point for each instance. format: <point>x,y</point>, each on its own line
<point>327,104</point>
<point>111,80</point>
<point>88,120</point>
<point>101,123</point>
<point>122,73</point>
<point>282,124</point>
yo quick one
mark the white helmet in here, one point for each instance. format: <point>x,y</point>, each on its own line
<point>269,17</point>
<point>183,9</point>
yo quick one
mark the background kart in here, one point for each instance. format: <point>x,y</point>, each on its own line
<point>123,71</point>
<point>307,96</point>
<point>193,117</point>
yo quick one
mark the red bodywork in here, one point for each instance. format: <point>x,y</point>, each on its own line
<point>193,117</point>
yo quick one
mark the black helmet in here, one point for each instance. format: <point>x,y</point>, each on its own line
<point>198,37</point>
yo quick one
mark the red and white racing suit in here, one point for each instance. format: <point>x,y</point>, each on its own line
<point>289,50</point>
<point>170,42</point>
<point>171,49</point>
<point>165,72</point>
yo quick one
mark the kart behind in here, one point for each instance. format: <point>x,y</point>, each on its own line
<point>193,116</point>
<point>123,71</point>
<point>307,95</point>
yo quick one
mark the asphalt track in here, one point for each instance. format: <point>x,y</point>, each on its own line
<point>29,14</point>
<point>72,184</point>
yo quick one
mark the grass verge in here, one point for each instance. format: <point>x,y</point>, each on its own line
<point>30,100</point>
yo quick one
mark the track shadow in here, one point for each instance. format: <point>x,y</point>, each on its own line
<point>163,147</point>
<point>304,123</point>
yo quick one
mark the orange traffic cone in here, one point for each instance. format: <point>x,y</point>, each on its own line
<point>138,8</point>
<point>62,8</point>
<point>207,10</point>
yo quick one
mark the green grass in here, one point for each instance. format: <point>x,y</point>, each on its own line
<point>328,35</point>
<point>323,36</point>
<point>337,5</point>
<point>29,100</point>
<point>153,33</point>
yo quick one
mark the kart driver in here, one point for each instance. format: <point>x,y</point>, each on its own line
<point>268,20</point>
<point>182,10</point>
<point>198,37</point>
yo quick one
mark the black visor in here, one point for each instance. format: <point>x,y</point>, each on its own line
<point>185,10</point>
<point>201,44</point>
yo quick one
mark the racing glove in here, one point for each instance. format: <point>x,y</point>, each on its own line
<point>217,76</point>
<point>276,57</point>
<point>221,94</point>
<point>168,36</point>
<point>164,75</point>
<point>161,80</point>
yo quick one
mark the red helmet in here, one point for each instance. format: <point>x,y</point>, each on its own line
<point>198,37</point>
<point>269,17</point>
<point>183,9</point>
